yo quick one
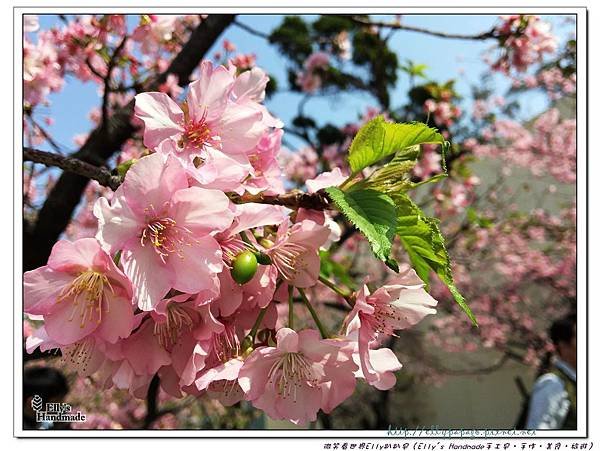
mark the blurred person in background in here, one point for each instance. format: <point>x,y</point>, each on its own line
<point>553,402</point>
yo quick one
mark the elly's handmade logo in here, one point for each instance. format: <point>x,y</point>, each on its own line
<point>56,412</point>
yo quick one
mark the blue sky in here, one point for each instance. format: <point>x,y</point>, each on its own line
<point>445,58</point>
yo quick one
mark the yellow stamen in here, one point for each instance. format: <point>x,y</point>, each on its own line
<point>90,286</point>
<point>290,373</point>
<point>168,331</point>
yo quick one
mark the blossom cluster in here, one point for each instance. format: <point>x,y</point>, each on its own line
<point>84,47</point>
<point>444,113</point>
<point>524,41</point>
<point>182,283</point>
<point>309,79</point>
<point>549,148</point>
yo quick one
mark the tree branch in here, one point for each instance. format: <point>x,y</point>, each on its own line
<point>74,165</point>
<point>294,199</point>
<point>398,26</point>
<point>107,79</point>
<point>152,402</point>
<point>104,141</point>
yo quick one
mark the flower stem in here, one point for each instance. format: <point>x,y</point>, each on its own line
<point>348,180</point>
<point>335,288</point>
<point>259,319</point>
<point>313,313</point>
<point>290,306</point>
<point>246,240</point>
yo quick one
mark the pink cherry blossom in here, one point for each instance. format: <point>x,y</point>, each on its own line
<point>526,39</point>
<point>216,118</point>
<point>31,23</point>
<point>290,381</point>
<point>163,228</point>
<point>79,293</point>
<point>401,303</point>
<point>295,252</point>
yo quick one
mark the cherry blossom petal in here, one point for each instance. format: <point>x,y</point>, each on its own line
<point>117,224</point>
<point>117,321</point>
<point>67,256</point>
<point>41,288</point>
<point>202,211</point>
<point>151,182</point>
<point>240,129</point>
<point>196,270</point>
<point>151,279</point>
<point>161,115</point>
<point>65,324</point>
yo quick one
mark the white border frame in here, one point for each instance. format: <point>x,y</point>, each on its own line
<point>582,202</point>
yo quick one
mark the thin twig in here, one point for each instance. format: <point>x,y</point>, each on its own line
<point>398,26</point>
<point>57,147</point>
<point>313,313</point>
<point>251,30</point>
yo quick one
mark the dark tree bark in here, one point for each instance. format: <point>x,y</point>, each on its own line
<point>103,143</point>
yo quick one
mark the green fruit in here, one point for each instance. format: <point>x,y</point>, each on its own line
<point>244,267</point>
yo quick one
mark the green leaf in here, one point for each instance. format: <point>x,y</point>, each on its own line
<point>372,213</point>
<point>474,218</point>
<point>378,139</point>
<point>394,176</point>
<point>423,241</point>
<point>414,70</point>
<point>125,166</point>
<point>103,52</point>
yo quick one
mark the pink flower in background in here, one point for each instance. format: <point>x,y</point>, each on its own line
<point>42,71</point>
<point>163,228</point>
<point>316,61</point>
<point>154,30</point>
<point>526,39</point>
<point>429,162</point>
<point>244,61</point>
<point>300,165</point>
<point>228,46</point>
<point>171,86</point>
<point>429,106</point>
<point>290,381</point>
<point>80,292</point>
<point>31,23</point>
<point>309,82</point>
<point>308,79</point>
